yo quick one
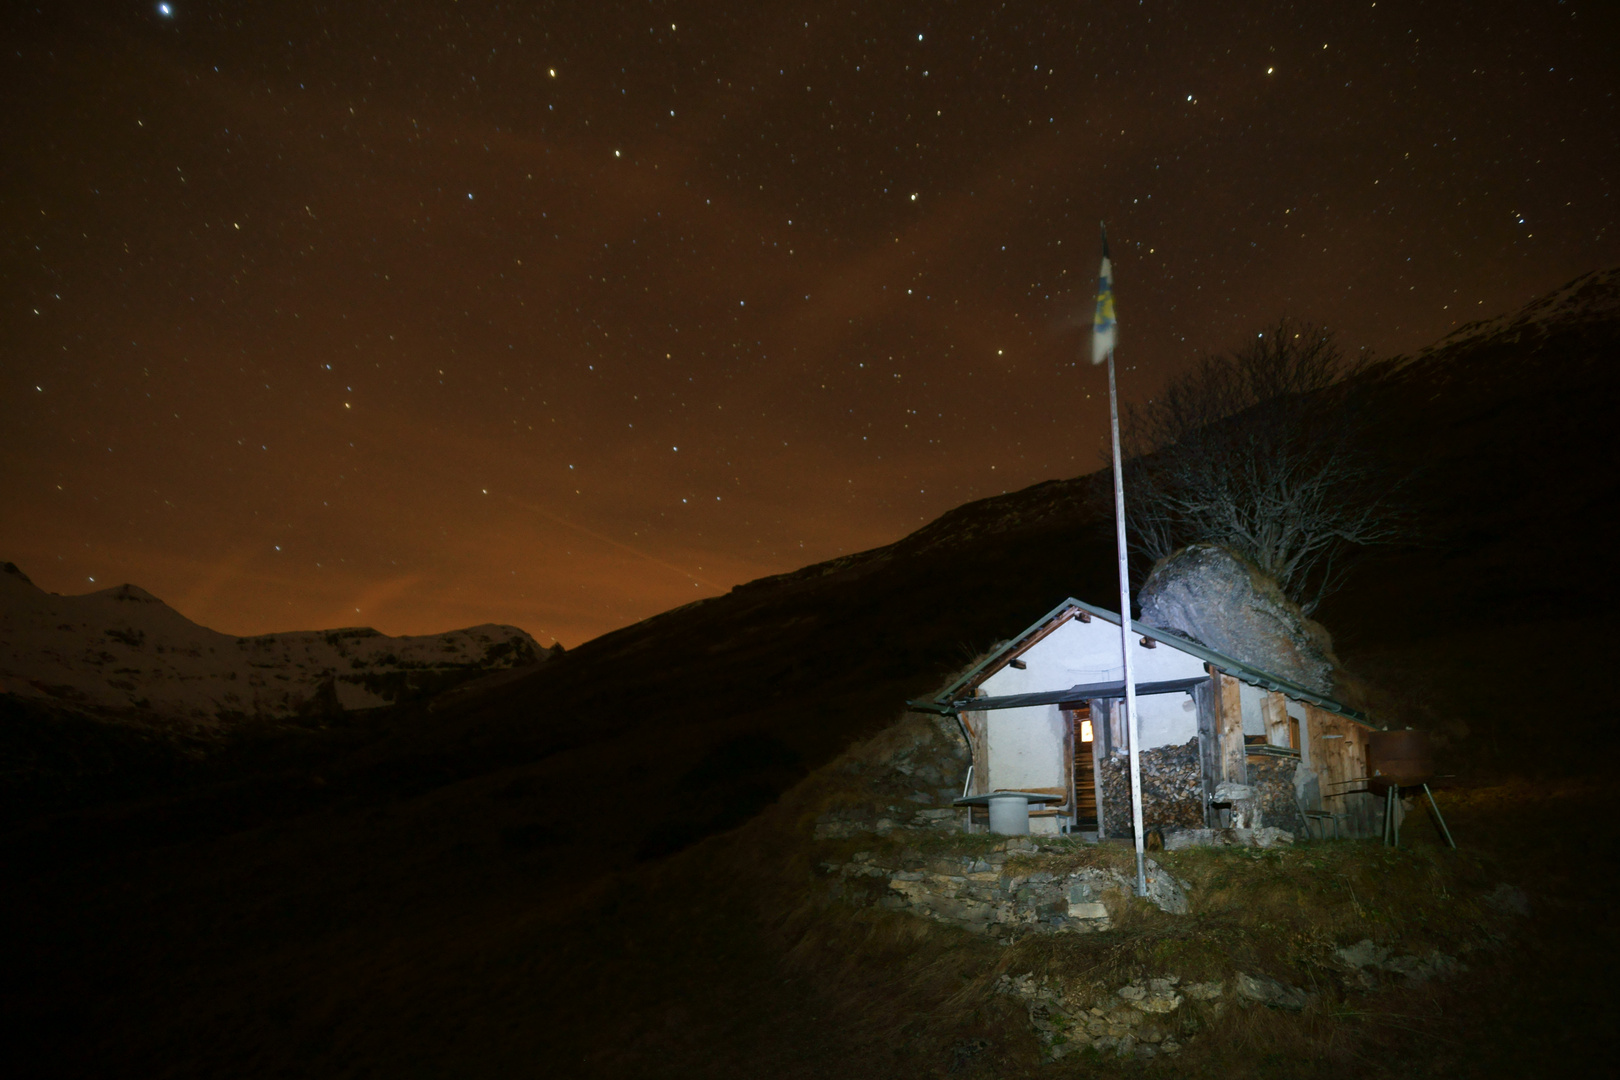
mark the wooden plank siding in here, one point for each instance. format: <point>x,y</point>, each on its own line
<point>1209,745</point>
<point>1368,809</point>
<point>1316,750</point>
<point>1229,712</point>
<point>1341,768</point>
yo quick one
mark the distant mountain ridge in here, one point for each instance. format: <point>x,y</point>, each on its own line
<point>1591,301</point>
<point>1465,401</point>
<point>123,653</point>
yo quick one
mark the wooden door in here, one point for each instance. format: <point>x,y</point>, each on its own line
<point>1085,767</point>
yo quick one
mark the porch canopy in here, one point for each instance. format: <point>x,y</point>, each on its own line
<point>1076,694</point>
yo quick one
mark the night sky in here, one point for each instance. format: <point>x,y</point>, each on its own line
<point>424,314</point>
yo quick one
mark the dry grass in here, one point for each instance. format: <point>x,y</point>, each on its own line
<point>904,996</point>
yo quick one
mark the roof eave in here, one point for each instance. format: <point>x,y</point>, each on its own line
<point>1015,645</point>
<point>1226,664</point>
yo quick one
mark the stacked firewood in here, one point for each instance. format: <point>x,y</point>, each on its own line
<point>1172,789</point>
<point>1273,782</point>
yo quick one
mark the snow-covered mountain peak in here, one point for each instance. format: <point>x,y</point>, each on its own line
<point>124,653</point>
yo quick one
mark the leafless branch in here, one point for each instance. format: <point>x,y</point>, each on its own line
<point>1264,450</point>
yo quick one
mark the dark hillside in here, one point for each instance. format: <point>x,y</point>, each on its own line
<point>444,888</point>
<point>1508,430</point>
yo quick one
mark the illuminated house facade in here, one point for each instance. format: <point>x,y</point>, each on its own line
<point>1043,714</point>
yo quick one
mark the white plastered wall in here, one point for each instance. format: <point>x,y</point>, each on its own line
<point>1166,719</point>
<point>1080,653</point>
<point>1025,748</point>
<point>1254,719</point>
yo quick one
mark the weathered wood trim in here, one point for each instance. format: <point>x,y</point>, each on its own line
<point>1119,732</point>
<point>1315,752</point>
<point>1209,745</point>
<point>1016,648</point>
<point>974,723</point>
<point>1229,715</point>
<point>1099,751</point>
<point>1068,767</point>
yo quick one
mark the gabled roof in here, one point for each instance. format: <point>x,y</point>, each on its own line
<point>959,694</point>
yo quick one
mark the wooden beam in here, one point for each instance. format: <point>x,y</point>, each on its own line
<point>1209,745</point>
<point>1315,750</point>
<point>1229,714</point>
<point>1068,767</point>
<point>1101,724</point>
<point>1355,764</point>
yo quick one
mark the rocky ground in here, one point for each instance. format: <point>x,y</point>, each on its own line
<point>1005,890</point>
<point>1225,926</point>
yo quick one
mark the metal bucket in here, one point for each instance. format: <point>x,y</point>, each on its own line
<point>1009,815</point>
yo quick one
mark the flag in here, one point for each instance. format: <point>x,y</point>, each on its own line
<point>1103,328</point>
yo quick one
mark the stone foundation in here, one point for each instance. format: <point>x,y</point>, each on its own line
<point>1138,1020</point>
<point>977,893</point>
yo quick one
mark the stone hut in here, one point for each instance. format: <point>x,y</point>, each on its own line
<point>1223,742</point>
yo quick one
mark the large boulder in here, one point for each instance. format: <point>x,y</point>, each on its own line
<point>1209,594</point>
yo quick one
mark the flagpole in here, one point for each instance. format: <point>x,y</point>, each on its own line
<point>1104,334</point>
<point>1132,728</point>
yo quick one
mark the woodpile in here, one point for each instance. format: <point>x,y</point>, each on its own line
<point>1273,783</point>
<point>1172,789</point>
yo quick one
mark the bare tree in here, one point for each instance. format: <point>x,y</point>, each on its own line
<point>1264,450</point>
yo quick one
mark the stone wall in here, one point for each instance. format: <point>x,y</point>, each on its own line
<point>1172,789</point>
<point>1140,1020</point>
<point>908,780</point>
<point>1154,1016</point>
<point>979,893</point>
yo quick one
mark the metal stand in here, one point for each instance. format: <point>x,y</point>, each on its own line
<point>1438,819</point>
<point>1392,827</point>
